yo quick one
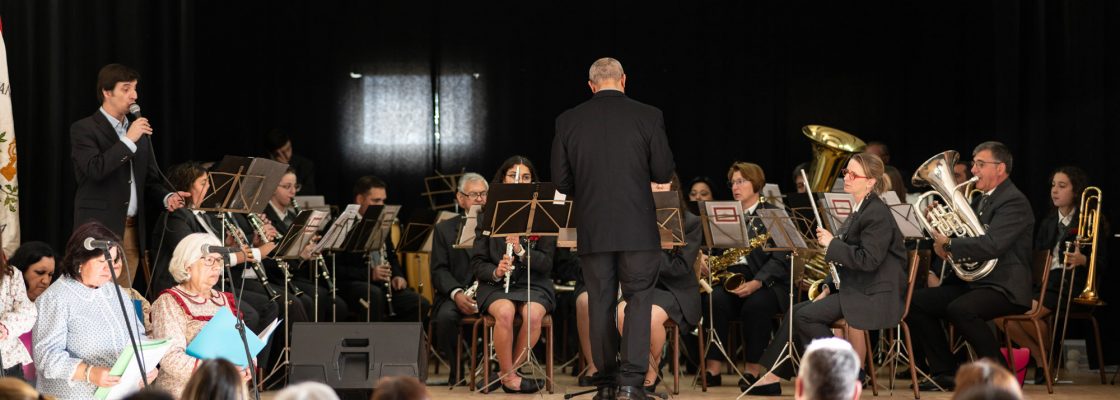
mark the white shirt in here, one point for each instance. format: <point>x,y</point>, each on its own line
<point>122,130</point>
<point>1056,258</point>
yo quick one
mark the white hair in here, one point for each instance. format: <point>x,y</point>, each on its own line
<point>307,391</point>
<point>605,69</point>
<point>470,177</point>
<point>187,252</point>
<point>829,370</point>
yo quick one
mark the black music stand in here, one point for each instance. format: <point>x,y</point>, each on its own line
<point>418,232</point>
<point>301,233</point>
<point>525,209</point>
<point>440,190</point>
<point>368,235</point>
<point>786,237</point>
<point>724,228</point>
<point>332,241</point>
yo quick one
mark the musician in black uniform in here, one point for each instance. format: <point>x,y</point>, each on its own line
<point>1006,290</point>
<point>765,288</point>
<point>451,272</point>
<point>869,260</point>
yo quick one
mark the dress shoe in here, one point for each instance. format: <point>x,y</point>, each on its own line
<point>605,393</point>
<point>713,380</point>
<point>770,389</point>
<point>527,386</point>
<point>746,381</point>
<point>586,381</point>
<point>653,388</point>
<point>480,386</point>
<point>631,393</point>
<point>945,381</point>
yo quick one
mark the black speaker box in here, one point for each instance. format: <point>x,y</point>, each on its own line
<point>354,355</point>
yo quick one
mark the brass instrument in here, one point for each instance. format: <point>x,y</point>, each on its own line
<point>955,217</point>
<point>1088,225</point>
<point>258,269</point>
<point>831,150</point>
<point>719,264</point>
<point>814,273</point>
<point>258,226</point>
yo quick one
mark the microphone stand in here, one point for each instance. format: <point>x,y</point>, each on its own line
<point>241,331</point>
<point>132,336</point>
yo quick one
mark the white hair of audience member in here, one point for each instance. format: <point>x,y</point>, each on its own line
<point>829,371</point>
<point>471,177</point>
<point>187,252</point>
<point>605,69</point>
<point>307,391</point>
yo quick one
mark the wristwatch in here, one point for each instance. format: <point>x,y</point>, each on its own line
<point>948,246</point>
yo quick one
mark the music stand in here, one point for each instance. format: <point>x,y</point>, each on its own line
<point>369,235</point>
<point>467,226</point>
<point>724,228</point>
<point>237,184</point>
<point>301,233</point>
<point>525,209</point>
<point>332,241</point>
<point>786,237</point>
<point>440,190</point>
<point>418,232</point>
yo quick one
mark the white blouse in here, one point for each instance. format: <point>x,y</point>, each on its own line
<point>17,316</point>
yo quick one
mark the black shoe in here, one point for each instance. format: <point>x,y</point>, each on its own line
<point>1039,376</point>
<point>527,386</point>
<point>586,381</point>
<point>605,393</point>
<point>747,381</point>
<point>653,388</point>
<point>945,381</point>
<point>713,380</point>
<point>480,386</point>
<point>904,375</point>
<point>770,389</point>
<point>631,393</point>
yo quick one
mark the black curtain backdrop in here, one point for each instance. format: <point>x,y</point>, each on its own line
<point>735,79</point>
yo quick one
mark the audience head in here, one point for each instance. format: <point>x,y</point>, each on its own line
<point>985,393</point>
<point>471,191</point>
<point>865,173</point>
<point>986,373</point>
<point>991,162</point>
<point>606,73</point>
<point>89,266</point>
<point>17,389</point>
<point>215,379</point>
<point>150,393</point>
<point>701,189</point>
<point>400,388</point>
<point>307,391</point>
<point>190,177</point>
<point>370,191</point>
<point>829,371</point>
<point>516,169</point>
<point>189,263</point>
<point>36,261</point>
<point>746,181</point>
<point>1066,184</point>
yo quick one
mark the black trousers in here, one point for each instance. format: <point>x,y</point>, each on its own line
<point>637,272</point>
<point>811,320</point>
<point>756,312</point>
<point>408,306</point>
<point>969,310</point>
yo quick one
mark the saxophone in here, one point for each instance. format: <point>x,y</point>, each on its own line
<point>719,264</point>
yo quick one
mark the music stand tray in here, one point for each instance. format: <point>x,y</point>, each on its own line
<point>242,184</point>
<point>300,233</point>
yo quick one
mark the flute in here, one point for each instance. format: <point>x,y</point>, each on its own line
<point>509,253</point>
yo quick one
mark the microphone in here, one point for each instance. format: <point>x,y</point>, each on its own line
<point>134,109</point>
<point>94,244</point>
<point>225,251</point>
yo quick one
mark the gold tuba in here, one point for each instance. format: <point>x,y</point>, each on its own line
<point>955,217</point>
<point>1088,225</point>
<point>831,150</point>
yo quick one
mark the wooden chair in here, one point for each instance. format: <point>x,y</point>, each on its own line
<point>869,358</point>
<point>919,268</point>
<point>473,321</point>
<point>546,332</point>
<point>1035,316</point>
<point>673,332</point>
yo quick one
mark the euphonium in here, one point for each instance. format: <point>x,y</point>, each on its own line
<point>831,150</point>
<point>1088,225</point>
<point>719,264</point>
<point>955,217</point>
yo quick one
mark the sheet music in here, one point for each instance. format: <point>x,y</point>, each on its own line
<point>336,235</point>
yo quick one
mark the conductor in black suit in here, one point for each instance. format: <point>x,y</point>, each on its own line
<point>113,166</point>
<point>869,259</point>
<point>606,152</point>
<point>1006,290</point>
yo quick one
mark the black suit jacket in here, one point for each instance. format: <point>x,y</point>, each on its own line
<point>870,258</point>
<point>451,267</point>
<point>1009,222</point>
<point>488,251</point>
<point>769,267</point>
<point>178,225</point>
<point>605,153</point>
<point>676,274</point>
<point>101,168</point>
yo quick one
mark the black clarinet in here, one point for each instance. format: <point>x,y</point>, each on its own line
<point>239,237</point>
<point>388,284</point>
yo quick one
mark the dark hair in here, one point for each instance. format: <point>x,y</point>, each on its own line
<point>76,253</point>
<point>967,170</point>
<point>509,163</point>
<point>216,379</point>
<point>150,393</point>
<point>112,74</point>
<point>399,388</point>
<point>182,176</point>
<point>1078,179</point>
<point>999,150</point>
<point>705,180</point>
<point>27,254</point>
<point>365,183</point>
<point>797,171</point>
<point>275,139</point>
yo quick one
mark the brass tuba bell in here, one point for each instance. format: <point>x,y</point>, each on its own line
<point>955,217</point>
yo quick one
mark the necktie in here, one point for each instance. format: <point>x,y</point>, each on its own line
<point>983,204</point>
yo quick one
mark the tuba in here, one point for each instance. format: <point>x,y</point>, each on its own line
<point>831,150</point>
<point>1088,225</point>
<point>955,217</point>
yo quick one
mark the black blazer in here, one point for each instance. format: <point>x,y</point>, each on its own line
<point>605,153</point>
<point>870,258</point>
<point>769,267</point>
<point>280,224</point>
<point>101,168</point>
<point>1009,221</point>
<point>488,251</point>
<point>676,274</point>
<point>178,225</point>
<point>451,267</point>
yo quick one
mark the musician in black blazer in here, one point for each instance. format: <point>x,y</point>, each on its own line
<point>869,258</point>
<point>1006,290</point>
<point>452,274</point>
<point>605,153</point>
<point>765,289</point>
<point>676,296</point>
<point>113,166</point>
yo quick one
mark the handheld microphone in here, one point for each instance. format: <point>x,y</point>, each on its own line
<point>94,244</point>
<point>225,251</point>
<point>134,109</point>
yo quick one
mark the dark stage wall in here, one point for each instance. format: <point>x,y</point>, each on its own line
<point>736,80</point>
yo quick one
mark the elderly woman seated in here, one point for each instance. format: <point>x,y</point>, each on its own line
<point>181,311</point>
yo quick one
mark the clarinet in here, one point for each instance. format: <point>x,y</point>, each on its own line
<point>239,237</point>
<point>324,272</point>
<point>295,206</point>
<point>293,289</point>
<point>388,285</point>
<point>258,226</point>
<point>509,252</point>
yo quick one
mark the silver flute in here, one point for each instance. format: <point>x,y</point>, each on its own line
<point>509,252</point>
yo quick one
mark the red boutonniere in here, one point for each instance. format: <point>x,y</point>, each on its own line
<point>1073,231</point>
<point>534,238</point>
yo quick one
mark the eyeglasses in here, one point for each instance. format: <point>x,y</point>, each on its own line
<point>736,182</point>
<point>981,163</point>
<point>849,175</point>
<point>212,262</point>
<point>475,195</point>
<point>287,186</point>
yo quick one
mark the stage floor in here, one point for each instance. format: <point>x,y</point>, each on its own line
<point>1084,386</point>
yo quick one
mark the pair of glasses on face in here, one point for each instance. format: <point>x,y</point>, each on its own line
<point>736,182</point>
<point>475,195</point>
<point>287,186</point>
<point>851,175</point>
<point>981,163</point>
<point>212,262</point>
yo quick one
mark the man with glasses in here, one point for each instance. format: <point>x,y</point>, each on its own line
<point>1006,214</point>
<point>451,273</point>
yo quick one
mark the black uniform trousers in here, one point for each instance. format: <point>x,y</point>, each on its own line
<point>969,310</point>
<point>637,272</point>
<point>811,320</point>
